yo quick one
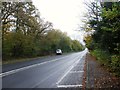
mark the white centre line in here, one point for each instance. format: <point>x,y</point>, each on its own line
<point>27,67</point>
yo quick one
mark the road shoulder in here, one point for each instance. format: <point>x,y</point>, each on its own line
<point>96,76</point>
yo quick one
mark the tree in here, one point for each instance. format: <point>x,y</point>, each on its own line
<point>105,40</point>
<point>22,29</point>
<point>26,34</point>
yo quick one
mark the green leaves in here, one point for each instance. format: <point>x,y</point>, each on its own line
<point>106,39</point>
<point>26,34</point>
<point>111,13</point>
<point>55,39</point>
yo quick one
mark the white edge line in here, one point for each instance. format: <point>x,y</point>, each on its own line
<point>67,72</point>
<point>27,67</point>
<point>66,86</point>
<point>69,69</point>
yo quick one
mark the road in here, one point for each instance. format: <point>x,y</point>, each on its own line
<point>61,71</point>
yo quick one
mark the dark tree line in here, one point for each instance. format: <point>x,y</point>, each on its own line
<point>105,42</point>
<point>26,34</point>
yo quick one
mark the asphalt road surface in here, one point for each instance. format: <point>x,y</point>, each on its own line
<point>60,71</point>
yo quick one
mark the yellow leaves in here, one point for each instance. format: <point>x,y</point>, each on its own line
<point>8,25</point>
<point>88,39</point>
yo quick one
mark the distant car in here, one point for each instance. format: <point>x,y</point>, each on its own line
<point>59,52</point>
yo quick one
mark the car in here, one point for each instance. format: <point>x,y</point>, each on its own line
<point>59,52</point>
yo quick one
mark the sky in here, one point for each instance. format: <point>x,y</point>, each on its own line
<point>65,15</point>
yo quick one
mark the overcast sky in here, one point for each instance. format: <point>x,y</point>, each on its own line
<point>65,15</point>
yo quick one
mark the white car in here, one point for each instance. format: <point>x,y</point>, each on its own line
<point>58,51</point>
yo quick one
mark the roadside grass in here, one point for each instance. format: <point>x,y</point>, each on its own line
<point>23,59</point>
<point>12,60</point>
<point>16,60</point>
<point>111,62</point>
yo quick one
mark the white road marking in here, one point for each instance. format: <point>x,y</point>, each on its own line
<point>35,86</point>
<point>65,73</point>
<point>67,86</point>
<point>27,67</point>
<point>70,69</point>
<point>76,71</point>
<point>58,85</point>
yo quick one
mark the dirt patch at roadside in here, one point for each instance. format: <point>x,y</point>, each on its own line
<point>96,76</point>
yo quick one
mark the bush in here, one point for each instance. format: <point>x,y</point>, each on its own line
<point>115,63</point>
<point>110,61</point>
<point>102,56</point>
